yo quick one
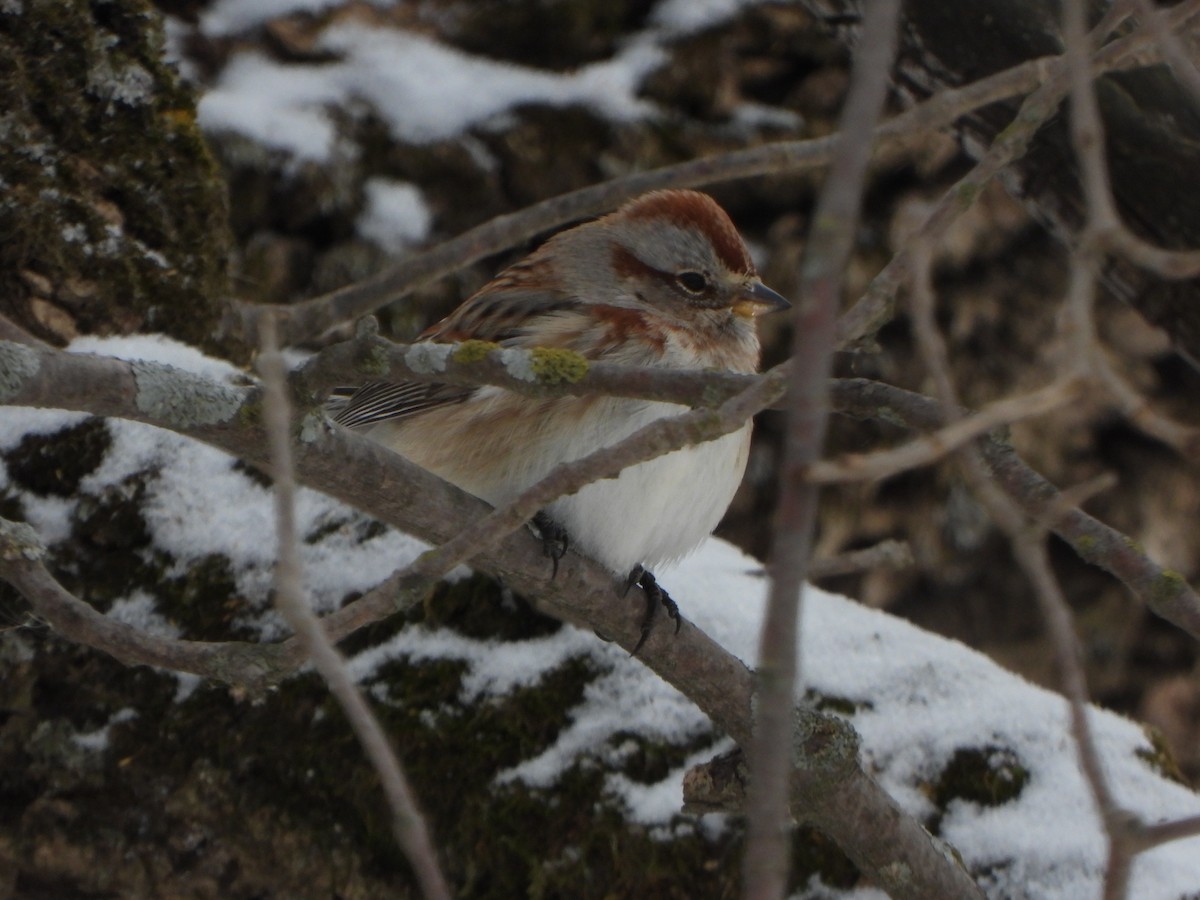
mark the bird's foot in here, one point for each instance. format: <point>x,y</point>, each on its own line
<point>555,540</point>
<point>655,597</point>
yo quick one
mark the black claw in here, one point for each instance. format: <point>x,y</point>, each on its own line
<point>555,540</point>
<point>655,596</point>
<point>635,575</point>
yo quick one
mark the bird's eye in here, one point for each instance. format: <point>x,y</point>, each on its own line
<point>692,282</point>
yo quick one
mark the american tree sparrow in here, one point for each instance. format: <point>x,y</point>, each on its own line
<point>664,281</point>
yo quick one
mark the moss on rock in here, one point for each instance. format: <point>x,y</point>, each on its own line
<point>113,215</point>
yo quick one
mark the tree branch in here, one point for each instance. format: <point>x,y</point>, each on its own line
<point>828,788</point>
<point>307,320</point>
<point>408,824</point>
<point>831,238</point>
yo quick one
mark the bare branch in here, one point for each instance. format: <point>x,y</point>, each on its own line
<point>1104,224</point>
<point>931,447</point>
<point>1164,591</point>
<point>408,824</point>
<point>11,331</point>
<point>831,238</point>
<point>1147,837</point>
<point>874,308</point>
<point>305,321</point>
<point>22,565</point>
<point>533,373</point>
<point>421,504</point>
<point>1103,229</point>
<point>830,789</point>
<point>889,554</point>
<point>1174,53</point>
<point>1028,541</point>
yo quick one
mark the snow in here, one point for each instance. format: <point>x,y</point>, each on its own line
<point>395,216</point>
<point>686,16</point>
<point>50,517</point>
<point>424,90</point>
<point>277,106</point>
<point>161,349</point>
<point>97,741</point>
<point>921,697</point>
<point>918,698</point>
<point>227,17</point>
<point>200,502</point>
<point>623,700</point>
<point>139,611</point>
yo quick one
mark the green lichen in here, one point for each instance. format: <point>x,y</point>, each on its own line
<point>896,876</point>
<point>250,413</point>
<point>375,361</point>
<point>1133,545</point>
<point>20,541</point>
<point>474,351</point>
<point>1086,545</point>
<point>1167,586</point>
<point>557,366</point>
<point>1159,756</point>
<point>312,427</point>
<point>967,193</point>
<point>824,744</point>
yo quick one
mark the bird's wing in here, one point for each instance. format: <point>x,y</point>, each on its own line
<point>501,313</point>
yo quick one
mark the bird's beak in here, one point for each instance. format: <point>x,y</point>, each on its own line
<point>758,299</point>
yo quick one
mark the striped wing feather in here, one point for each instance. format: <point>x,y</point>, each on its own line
<point>500,313</point>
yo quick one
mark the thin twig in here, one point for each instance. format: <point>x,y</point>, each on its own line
<point>874,308</point>
<point>1147,837</point>
<point>306,321</point>
<point>1164,591</point>
<point>1104,223</point>
<point>408,824</point>
<point>929,448</point>
<point>1027,540</point>
<point>1104,228</point>
<point>1174,53</point>
<point>887,554</point>
<point>831,239</point>
<point>848,805</point>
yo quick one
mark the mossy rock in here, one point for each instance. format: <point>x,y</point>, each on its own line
<point>557,35</point>
<point>113,215</point>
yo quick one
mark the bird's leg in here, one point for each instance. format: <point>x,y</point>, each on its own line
<point>655,596</point>
<point>555,539</point>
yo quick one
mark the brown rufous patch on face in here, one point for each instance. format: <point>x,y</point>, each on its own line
<point>691,209</point>
<point>623,325</point>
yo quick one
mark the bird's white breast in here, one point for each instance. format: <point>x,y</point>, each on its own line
<point>657,511</point>
<point>497,444</point>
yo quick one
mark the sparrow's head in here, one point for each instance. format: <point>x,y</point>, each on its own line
<point>677,251</point>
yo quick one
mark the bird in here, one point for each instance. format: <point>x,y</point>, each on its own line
<point>664,281</point>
